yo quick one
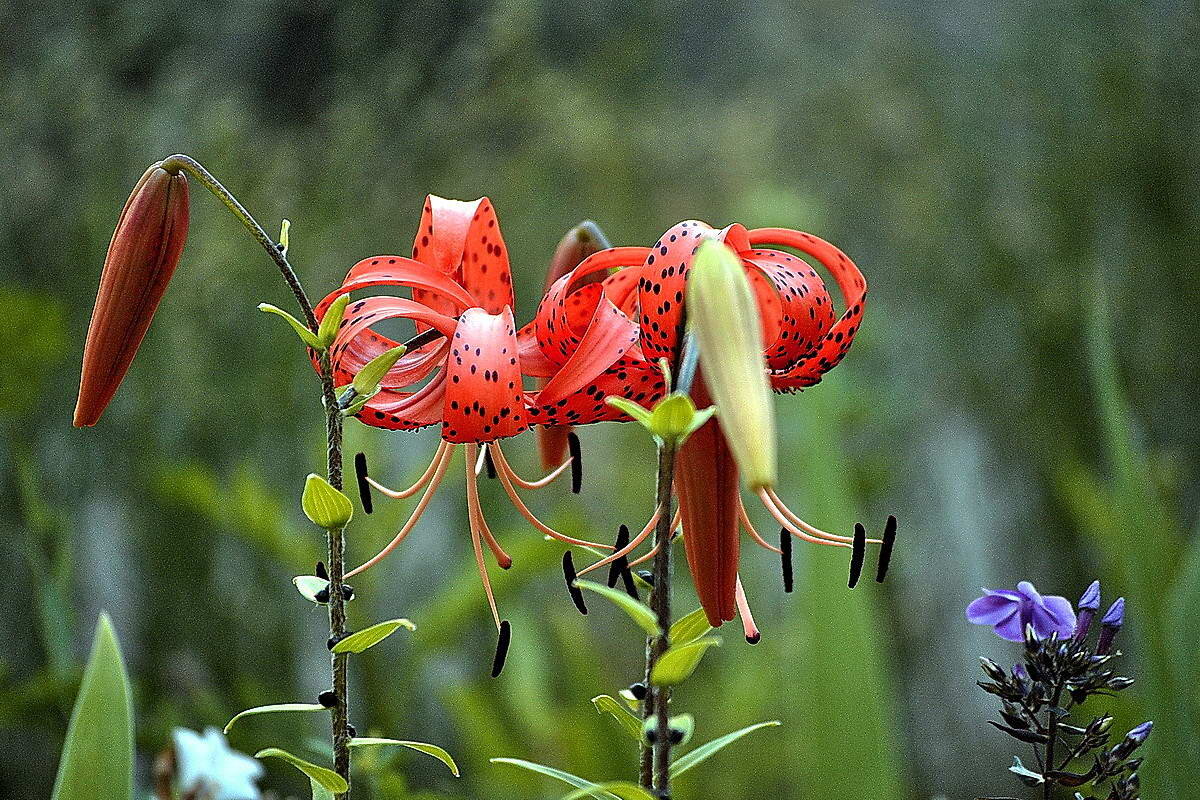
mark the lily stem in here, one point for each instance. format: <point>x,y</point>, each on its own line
<point>656,758</point>
<point>333,433</point>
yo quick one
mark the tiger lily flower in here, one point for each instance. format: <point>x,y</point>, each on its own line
<point>803,338</point>
<point>469,362</point>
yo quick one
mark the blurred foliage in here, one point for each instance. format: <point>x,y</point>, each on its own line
<point>1018,182</point>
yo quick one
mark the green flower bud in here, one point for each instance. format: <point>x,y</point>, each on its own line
<point>324,505</point>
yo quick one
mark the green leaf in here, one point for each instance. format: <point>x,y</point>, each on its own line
<point>306,336</point>
<point>325,505</point>
<point>368,378</point>
<point>319,792</point>
<point>326,778</point>
<point>672,417</point>
<point>285,228</point>
<point>642,415</point>
<point>369,637</point>
<point>622,789</point>
<point>309,586</point>
<point>558,774</point>
<point>637,611</point>
<point>689,628</point>
<point>99,747</point>
<point>273,709</point>
<point>705,751</point>
<point>677,664</point>
<point>607,704</point>
<point>421,747</point>
<point>332,320</point>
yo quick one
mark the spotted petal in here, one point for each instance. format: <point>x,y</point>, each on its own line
<point>462,239</point>
<point>484,396</point>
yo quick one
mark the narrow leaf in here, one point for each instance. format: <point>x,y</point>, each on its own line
<point>637,611</point>
<point>606,704</point>
<point>420,747</point>
<point>306,336</point>
<point>689,628</point>
<point>326,778</point>
<point>327,331</point>
<point>274,709</point>
<point>369,637</point>
<point>642,415</point>
<point>705,751</point>
<point>622,789</point>
<point>99,747</point>
<point>677,664</point>
<point>558,774</point>
<point>368,378</point>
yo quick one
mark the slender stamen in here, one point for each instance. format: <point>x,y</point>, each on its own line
<point>788,525</point>
<point>568,565</point>
<point>576,462</point>
<point>857,554</point>
<point>785,557</point>
<point>629,548</point>
<point>507,478</point>
<point>364,488</point>
<point>654,550</point>
<point>502,643</point>
<point>810,529</point>
<point>522,482</point>
<point>443,463</point>
<point>477,545</point>
<point>885,552</point>
<point>475,510</point>
<point>748,627</point>
<point>750,529</point>
<point>416,487</point>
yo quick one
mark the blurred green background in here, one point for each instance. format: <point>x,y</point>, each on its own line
<point>1017,180</point>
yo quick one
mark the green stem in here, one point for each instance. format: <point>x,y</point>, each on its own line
<point>333,433</point>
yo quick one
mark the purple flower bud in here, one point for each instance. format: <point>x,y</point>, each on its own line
<point>1115,616</point>
<point>1140,733</point>
<point>1091,598</point>
<point>1010,613</point>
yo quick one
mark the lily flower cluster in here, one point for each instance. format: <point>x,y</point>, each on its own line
<point>1060,670</point>
<point>610,326</point>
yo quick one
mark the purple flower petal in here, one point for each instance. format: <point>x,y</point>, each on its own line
<point>1060,615</point>
<point>1011,627</point>
<point>990,610</point>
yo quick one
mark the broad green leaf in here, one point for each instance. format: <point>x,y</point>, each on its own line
<point>98,751</point>
<point>678,663</point>
<point>606,704</point>
<point>368,378</point>
<point>309,586</point>
<point>274,709</point>
<point>622,789</point>
<point>637,611</point>
<point>319,792</point>
<point>326,778</point>
<point>306,336</point>
<point>704,751</point>
<point>689,628</point>
<point>324,505</point>
<point>421,747</point>
<point>558,774</point>
<point>327,331</point>
<point>369,637</point>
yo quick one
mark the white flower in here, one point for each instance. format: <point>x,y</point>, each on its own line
<point>207,766</point>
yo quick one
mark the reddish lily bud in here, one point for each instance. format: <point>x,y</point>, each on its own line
<point>579,243</point>
<point>142,256</point>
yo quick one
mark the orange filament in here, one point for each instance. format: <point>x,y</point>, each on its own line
<point>629,548</point>
<point>654,550</point>
<point>475,454</point>
<point>421,481</point>
<point>794,527</point>
<point>743,605</point>
<point>526,484</point>
<point>478,526</point>
<point>442,461</point>
<point>754,534</point>
<point>791,515</point>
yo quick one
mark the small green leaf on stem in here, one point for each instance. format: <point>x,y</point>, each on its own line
<point>689,628</point>
<point>622,789</point>
<point>306,336</point>
<point>284,229</point>
<point>274,709</point>
<point>420,747</point>
<point>642,415</point>
<point>327,778</point>
<point>309,586</point>
<point>327,331</point>
<point>607,704</point>
<point>573,780</point>
<point>705,751</point>
<point>319,792</point>
<point>368,378</point>
<point>369,637</point>
<point>637,611</point>
<point>679,662</point>
<point>324,505</point>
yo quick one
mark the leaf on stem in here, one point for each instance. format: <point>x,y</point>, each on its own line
<point>639,612</point>
<point>607,704</point>
<point>369,637</point>
<point>274,709</point>
<point>420,747</point>
<point>326,778</point>
<point>678,663</point>
<point>707,750</point>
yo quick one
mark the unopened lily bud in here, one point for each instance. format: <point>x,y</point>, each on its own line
<point>1088,604</point>
<point>324,505</point>
<point>724,318</point>
<point>578,243</point>
<point>142,256</point>
<point>1113,619</point>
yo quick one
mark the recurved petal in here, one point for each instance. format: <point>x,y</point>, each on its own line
<point>990,609</point>
<point>142,257</point>
<point>484,396</point>
<point>463,240</point>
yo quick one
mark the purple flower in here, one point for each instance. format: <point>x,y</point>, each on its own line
<point>1140,733</point>
<point>1089,604</point>
<point>1008,613</point>
<point>1115,616</point>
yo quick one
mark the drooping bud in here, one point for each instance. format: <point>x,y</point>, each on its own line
<point>142,256</point>
<point>724,318</point>
<point>578,243</point>
<point>1088,604</point>
<point>324,505</point>
<point>1113,619</point>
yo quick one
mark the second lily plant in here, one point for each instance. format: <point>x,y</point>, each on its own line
<point>687,337</point>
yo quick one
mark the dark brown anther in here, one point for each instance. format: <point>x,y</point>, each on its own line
<point>885,550</point>
<point>568,565</point>
<point>364,488</point>
<point>621,564</point>
<point>327,699</point>
<point>785,558</point>
<point>502,643</point>
<point>630,584</point>
<point>322,596</point>
<point>857,554</point>
<point>488,464</point>
<point>350,731</point>
<point>576,462</point>
<point>322,573</point>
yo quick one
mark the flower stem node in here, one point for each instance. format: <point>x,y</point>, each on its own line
<point>324,505</point>
<point>672,420</point>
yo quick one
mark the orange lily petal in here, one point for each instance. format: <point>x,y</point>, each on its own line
<point>484,396</point>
